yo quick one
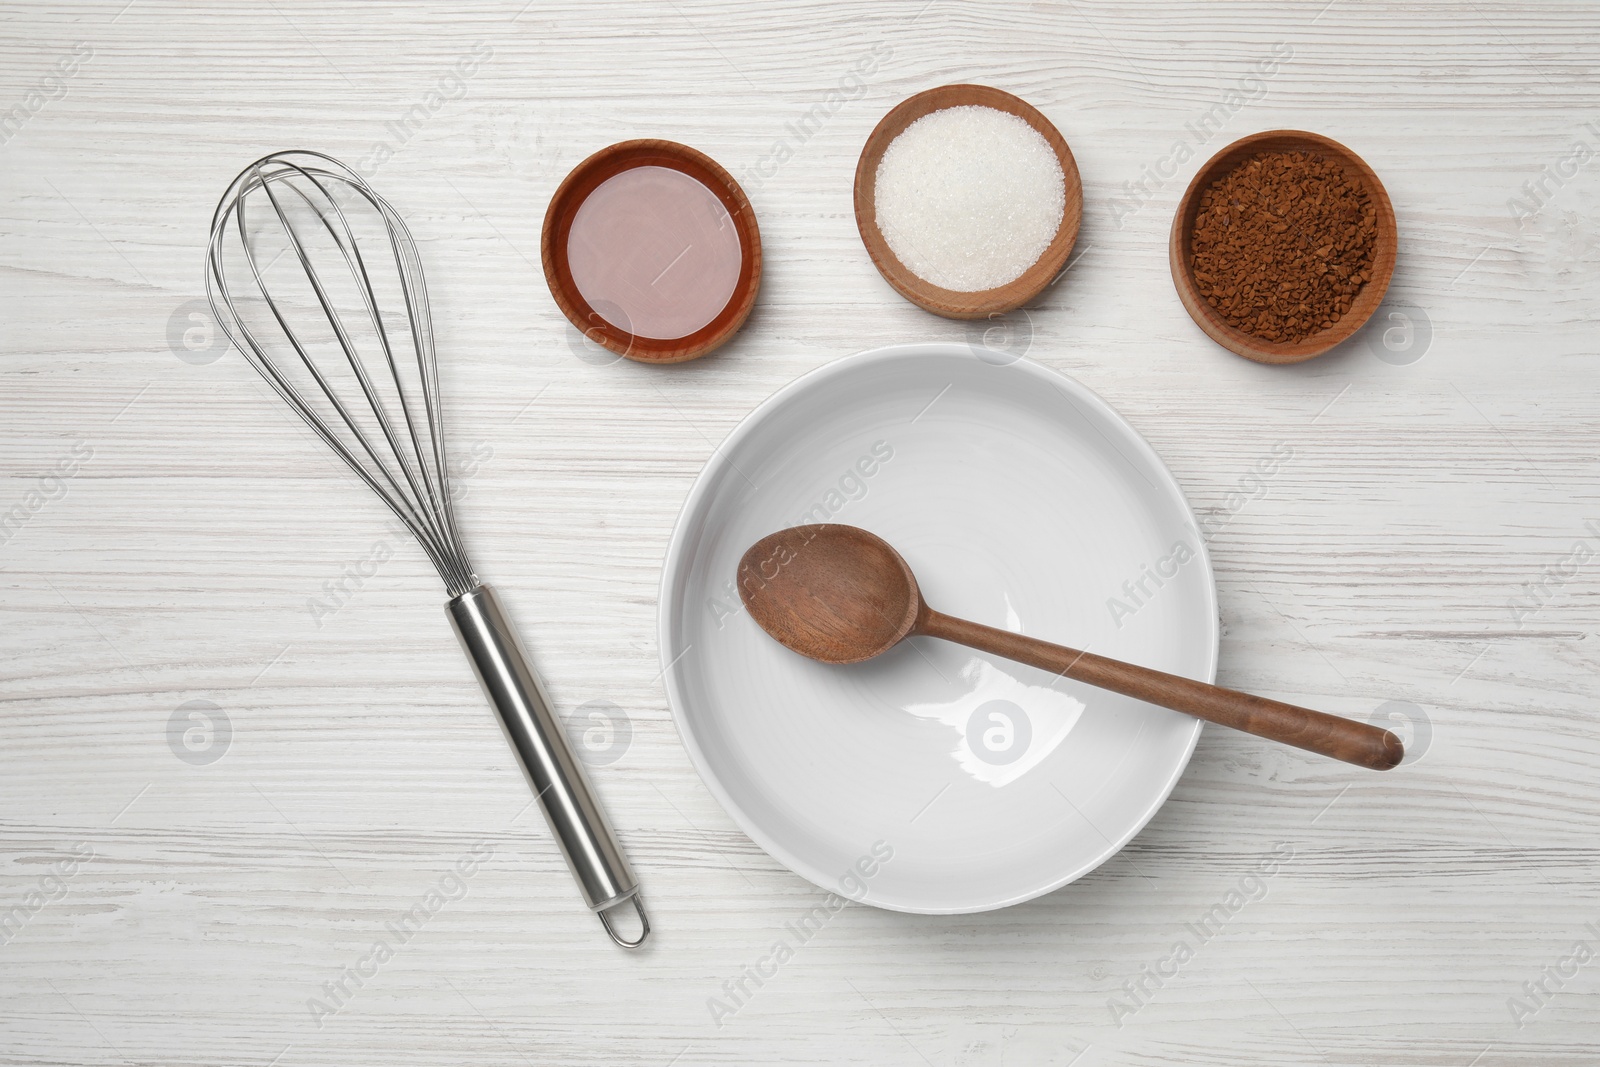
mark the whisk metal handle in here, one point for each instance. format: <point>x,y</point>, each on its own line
<point>576,819</point>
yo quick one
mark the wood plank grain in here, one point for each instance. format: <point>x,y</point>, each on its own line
<point>1381,563</point>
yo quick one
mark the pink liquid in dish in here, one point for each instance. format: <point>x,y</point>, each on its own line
<point>654,252</point>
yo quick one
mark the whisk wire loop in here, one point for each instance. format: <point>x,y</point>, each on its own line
<point>406,465</point>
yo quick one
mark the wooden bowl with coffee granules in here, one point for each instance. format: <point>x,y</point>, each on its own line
<point>1283,246</point>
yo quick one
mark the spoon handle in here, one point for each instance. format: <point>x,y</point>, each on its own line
<point>1314,731</point>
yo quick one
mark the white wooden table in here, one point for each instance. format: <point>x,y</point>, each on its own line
<point>178,534</point>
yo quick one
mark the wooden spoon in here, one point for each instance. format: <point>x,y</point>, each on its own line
<point>842,595</point>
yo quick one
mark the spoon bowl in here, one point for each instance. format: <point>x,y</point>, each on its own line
<point>835,593</point>
<point>840,595</point>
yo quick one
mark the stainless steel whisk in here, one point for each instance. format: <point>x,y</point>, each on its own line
<point>354,357</point>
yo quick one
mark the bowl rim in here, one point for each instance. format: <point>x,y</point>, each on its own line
<point>576,187</point>
<point>1180,249</point>
<point>952,303</point>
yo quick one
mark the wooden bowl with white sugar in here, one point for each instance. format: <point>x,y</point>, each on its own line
<point>968,200</point>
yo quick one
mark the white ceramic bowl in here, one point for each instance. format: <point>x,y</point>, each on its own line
<point>934,779</point>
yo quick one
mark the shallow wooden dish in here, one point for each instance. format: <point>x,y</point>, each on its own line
<point>584,179</point>
<point>1180,249</point>
<point>948,302</point>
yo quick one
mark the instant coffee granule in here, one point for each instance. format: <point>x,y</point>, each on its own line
<point>1282,244</point>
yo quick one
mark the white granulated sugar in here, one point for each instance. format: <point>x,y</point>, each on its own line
<point>969,197</point>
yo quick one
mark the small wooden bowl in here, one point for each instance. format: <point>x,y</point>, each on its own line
<point>948,302</point>
<point>1180,249</point>
<point>584,179</point>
